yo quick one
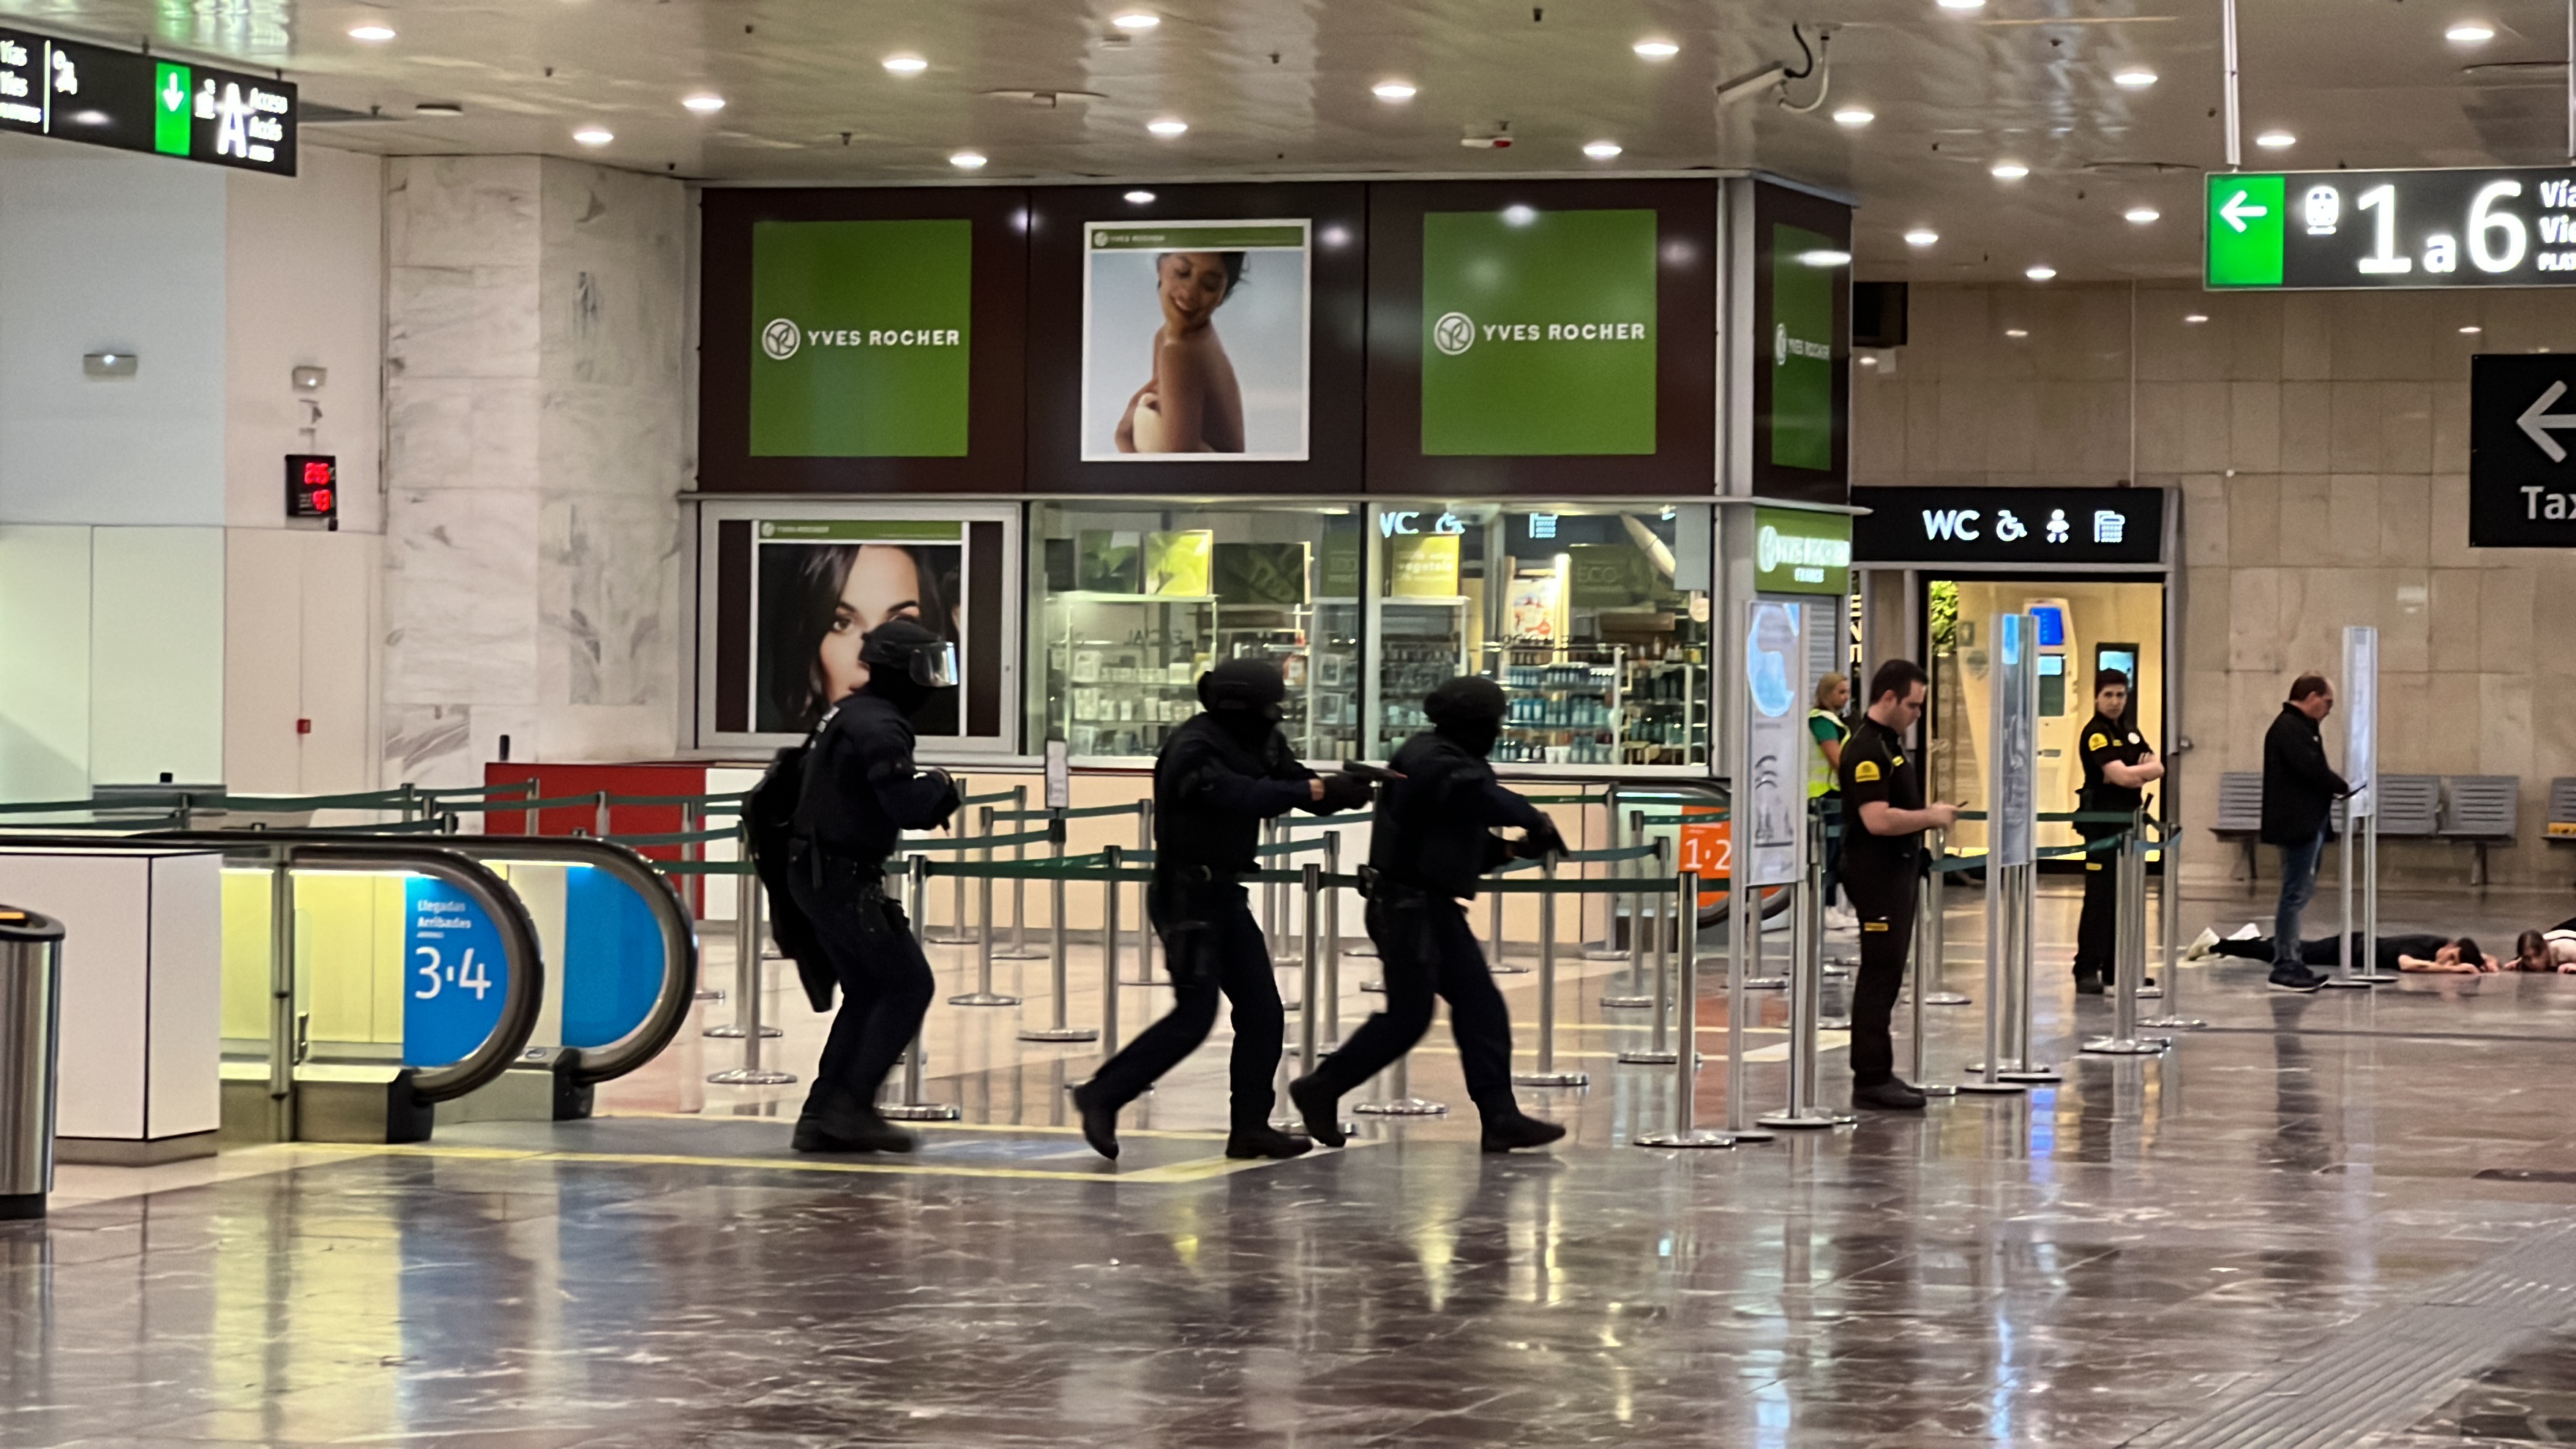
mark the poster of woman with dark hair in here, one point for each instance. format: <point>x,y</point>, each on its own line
<point>819,599</point>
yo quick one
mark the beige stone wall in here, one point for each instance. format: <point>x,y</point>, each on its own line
<point>2320,445</point>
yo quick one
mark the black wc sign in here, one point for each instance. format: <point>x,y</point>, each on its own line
<point>2522,450</point>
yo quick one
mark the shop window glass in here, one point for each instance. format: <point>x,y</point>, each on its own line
<point>1136,600</point>
<point>1594,620</point>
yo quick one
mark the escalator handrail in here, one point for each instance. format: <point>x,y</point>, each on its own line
<point>589,1065</point>
<point>523,995</point>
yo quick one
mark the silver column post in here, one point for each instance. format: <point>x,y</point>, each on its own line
<point>282,1035</point>
<point>2129,950</point>
<point>1547,1075</point>
<point>1667,908</point>
<point>1806,1010</point>
<point>1059,1028</point>
<point>1686,1050</point>
<point>1991,1078</point>
<point>1743,925</point>
<point>2025,886</point>
<point>1332,1008</point>
<point>1019,949</point>
<point>1310,967</point>
<point>1109,955</point>
<point>746,947</point>
<point>914,1105</point>
<point>1927,965</point>
<point>983,994</point>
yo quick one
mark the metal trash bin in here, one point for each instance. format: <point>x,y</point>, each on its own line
<point>31,981</point>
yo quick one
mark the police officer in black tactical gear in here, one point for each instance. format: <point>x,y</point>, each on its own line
<point>1434,835</point>
<point>1219,776</point>
<point>861,792</point>
<point>2118,762</point>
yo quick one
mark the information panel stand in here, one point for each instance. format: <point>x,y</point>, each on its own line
<point>2360,809</point>
<point>2012,828</point>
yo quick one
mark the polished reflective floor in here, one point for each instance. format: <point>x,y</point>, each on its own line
<point>2328,1219</point>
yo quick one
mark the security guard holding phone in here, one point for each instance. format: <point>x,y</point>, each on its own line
<point>1884,818</point>
<point>2117,762</point>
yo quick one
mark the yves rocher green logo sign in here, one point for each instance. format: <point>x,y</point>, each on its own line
<point>1538,332</point>
<point>861,337</point>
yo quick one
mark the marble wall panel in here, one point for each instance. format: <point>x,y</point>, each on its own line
<point>2254,427</point>
<point>2405,516</point>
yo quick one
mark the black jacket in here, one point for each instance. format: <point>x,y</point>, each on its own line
<point>1434,828</point>
<point>2299,787</point>
<point>861,789</point>
<point>1212,791</point>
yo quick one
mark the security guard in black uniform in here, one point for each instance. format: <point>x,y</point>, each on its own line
<point>1218,777</point>
<point>2117,761</point>
<point>1434,835</point>
<point>1884,818</point>
<point>861,791</point>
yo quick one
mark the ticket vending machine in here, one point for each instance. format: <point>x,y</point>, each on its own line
<point>2064,703</point>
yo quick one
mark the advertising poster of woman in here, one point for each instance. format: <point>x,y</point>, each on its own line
<point>1195,341</point>
<point>823,585</point>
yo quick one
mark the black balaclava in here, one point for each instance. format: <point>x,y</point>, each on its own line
<point>887,652</point>
<point>1242,696</point>
<point>1467,712</point>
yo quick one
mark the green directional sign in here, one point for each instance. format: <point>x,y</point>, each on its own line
<point>2245,230</point>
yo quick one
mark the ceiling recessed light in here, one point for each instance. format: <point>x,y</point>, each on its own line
<point>1140,198</point>
<point>2135,78</point>
<point>594,136</point>
<point>1519,215</point>
<point>2039,273</point>
<point>2471,331</point>
<point>703,104</point>
<point>2275,140</point>
<point>906,64</point>
<point>1854,116</point>
<point>2016,332</point>
<point>1963,4</point>
<point>1392,90</point>
<point>1601,150</point>
<point>371,32</point>
<point>2142,214</point>
<point>1921,236</point>
<point>1824,257</point>
<point>2470,32</point>
<point>1868,361</point>
<point>1167,127</point>
<point>1657,49</point>
<point>2195,319</point>
<point>2009,170</point>
<point>1135,21</point>
<point>967,160</point>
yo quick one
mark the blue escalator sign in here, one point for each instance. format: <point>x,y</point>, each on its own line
<point>454,974</point>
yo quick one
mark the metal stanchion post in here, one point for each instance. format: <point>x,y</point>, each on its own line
<point>1660,1051</point>
<point>984,994</point>
<point>1020,949</point>
<point>1607,948</point>
<point>692,819</point>
<point>2025,885</point>
<point>1686,1049</point>
<point>2347,972</point>
<point>1332,1007</point>
<point>746,947</point>
<point>1494,942</point>
<point>915,1105</point>
<point>599,820</point>
<point>1743,925</point>
<point>2370,897</point>
<point>1547,1075</point>
<point>1807,930</point>
<point>1144,926</point>
<point>1806,1012</point>
<point>1633,993</point>
<point>1399,1100</point>
<point>1109,856</point>
<point>2171,1018</point>
<point>2129,951</point>
<point>1936,901</point>
<point>1059,1028</point>
<point>1310,966</point>
<point>1990,1078</point>
<point>957,906</point>
<point>1927,961</point>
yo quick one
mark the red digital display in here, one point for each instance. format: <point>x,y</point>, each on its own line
<point>313,487</point>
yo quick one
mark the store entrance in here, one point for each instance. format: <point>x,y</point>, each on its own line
<point>2086,624</point>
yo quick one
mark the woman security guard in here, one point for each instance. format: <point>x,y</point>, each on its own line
<point>2117,761</point>
<point>1824,782</point>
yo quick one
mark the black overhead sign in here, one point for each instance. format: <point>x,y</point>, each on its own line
<point>2032,527</point>
<point>2522,433</point>
<point>78,92</point>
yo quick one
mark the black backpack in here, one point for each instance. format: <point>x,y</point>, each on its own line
<point>769,825</point>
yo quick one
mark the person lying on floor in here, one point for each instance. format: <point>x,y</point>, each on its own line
<point>2442,955</point>
<point>2550,950</point>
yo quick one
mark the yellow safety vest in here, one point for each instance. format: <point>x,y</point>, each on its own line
<point>1820,771</point>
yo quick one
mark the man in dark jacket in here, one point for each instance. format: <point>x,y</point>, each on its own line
<point>2299,790</point>
<point>1433,836</point>
<point>861,793</point>
<point>1219,776</point>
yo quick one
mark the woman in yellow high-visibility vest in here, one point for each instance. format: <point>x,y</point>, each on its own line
<point>1824,768</point>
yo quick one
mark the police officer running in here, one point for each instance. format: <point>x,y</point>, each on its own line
<point>1432,838</point>
<point>861,791</point>
<point>2117,762</point>
<point>1218,777</point>
<point>1884,818</point>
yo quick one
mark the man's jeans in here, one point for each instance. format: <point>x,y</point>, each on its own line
<point>2298,887</point>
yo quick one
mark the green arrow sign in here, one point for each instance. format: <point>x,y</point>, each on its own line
<point>2245,228</point>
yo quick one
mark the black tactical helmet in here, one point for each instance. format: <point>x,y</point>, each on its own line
<point>1244,685</point>
<point>909,648</point>
<point>1467,699</point>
